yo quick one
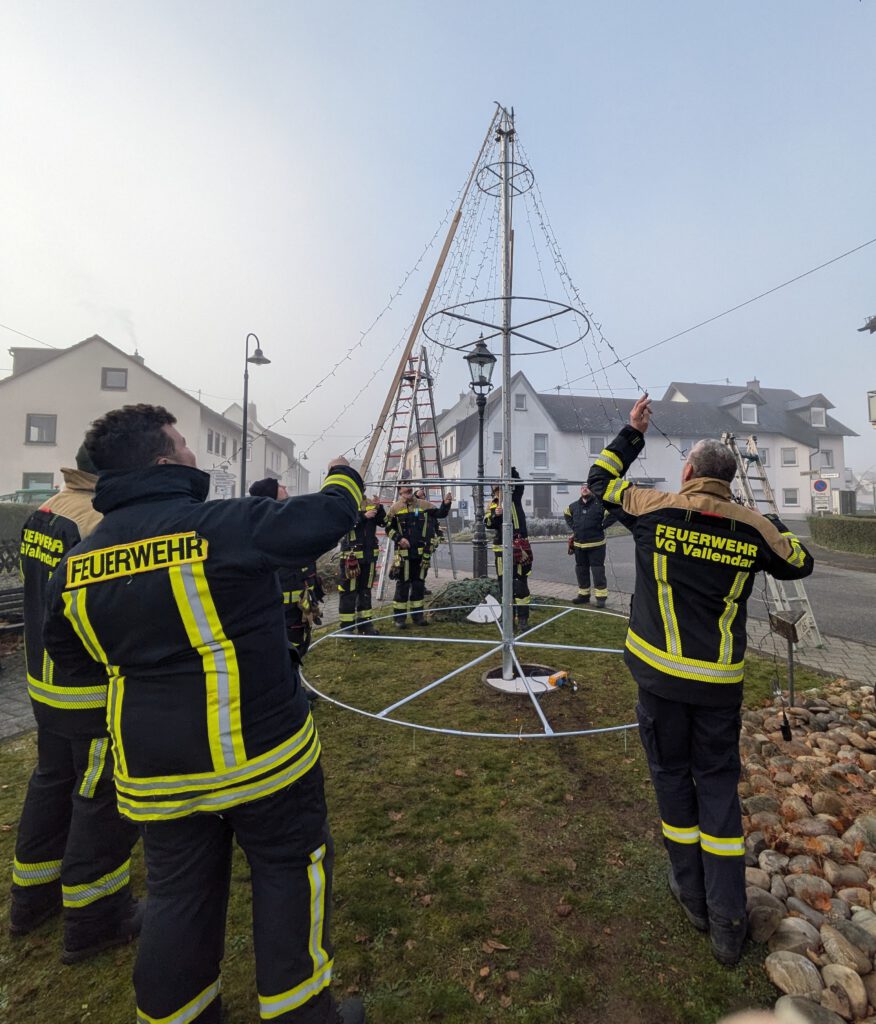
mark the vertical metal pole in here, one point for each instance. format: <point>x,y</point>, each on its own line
<point>506,131</point>
<point>791,672</point>
<point>479,538</point>
<point>244,431</point>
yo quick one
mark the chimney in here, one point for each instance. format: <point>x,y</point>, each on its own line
<point>251,412</point>
<point>138,358</point>
<point>753,385</point>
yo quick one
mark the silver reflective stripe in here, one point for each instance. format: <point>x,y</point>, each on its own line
<point>68,696</point>
<point>667,606</point>
<point>188,1013</point>
<point>220,660</point>
<point>688,668</point>
<point>273,1006</point>
<point>39,873</point>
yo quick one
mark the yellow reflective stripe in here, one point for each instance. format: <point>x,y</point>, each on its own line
<point>115,697</point>
<point>685,668</point>
<point>522,600</point>
<point>82,895</point>
<point>599,593</point>
<point>346,483</point>
<point>615,490</point>
<point>221,800</point>
<point>723,847</point>
<point>797,556</point>
<point>316,879</point>
<point>273,1006</point>
<point>219,658</point>
<point>96,761</point>
<point>347,617</point>
<point>686,836</point>
<point>193,1009</point>
<point>725,651</point>
<point>71,698</point>
<point>75,612</point>
<point>667,604</point>
<point>35,873</point>
<point>590,544</point>
<point>607,466</point>
<point>291,596</point>
<point>614,459</point>
<point>171,785</point>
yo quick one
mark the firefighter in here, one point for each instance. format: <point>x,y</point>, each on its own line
<point>359,550</point>
<point>697,556</point>
<point>300,586</point>
<point>410,524</point>
<point>587,519</point>
<point>73,850</point>
<point>441,511</point>
<point>522,552</point>
<point>178,598</point>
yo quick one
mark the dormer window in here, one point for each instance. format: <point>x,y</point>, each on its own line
<point>520,401</point>
<point>748,412</point>
<point>817,416</point>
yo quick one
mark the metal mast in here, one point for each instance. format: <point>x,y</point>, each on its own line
<point>506,145</point>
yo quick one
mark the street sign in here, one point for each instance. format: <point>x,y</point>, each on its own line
<point>830,476</point>
<point>820,486</point>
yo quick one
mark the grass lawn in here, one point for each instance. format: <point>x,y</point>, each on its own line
<point>477,880</point>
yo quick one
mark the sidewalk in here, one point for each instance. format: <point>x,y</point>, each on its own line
<point>845,658</point>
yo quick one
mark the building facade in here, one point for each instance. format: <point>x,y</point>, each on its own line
<point>52,395</point>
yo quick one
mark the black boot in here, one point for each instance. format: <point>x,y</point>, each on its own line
<point>367,629</point>
<point>695,910</point>
<point>23,920</point>
<point>728,938</point>
<point>350,1011</point>
<point>581,599</point>
<point>126,929</point>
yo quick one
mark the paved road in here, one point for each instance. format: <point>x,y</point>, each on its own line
<point>843,600</point>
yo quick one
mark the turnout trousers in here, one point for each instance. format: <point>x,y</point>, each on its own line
<point>354,596</point>
<point>286,841</point>
<point>520,587</point>
<point>693,756</point>
<point>410,590</point>
<point>72,845</point>
<point>591,560</point>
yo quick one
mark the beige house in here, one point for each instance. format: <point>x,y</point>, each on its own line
<point>52,395</point>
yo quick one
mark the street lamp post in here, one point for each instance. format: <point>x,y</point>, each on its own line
<point>480,364</point>
<point>258,358</point>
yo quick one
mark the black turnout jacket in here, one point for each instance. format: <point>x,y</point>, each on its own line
<point>361,542</point>
<point>697,555</point>
<point>178,599</point>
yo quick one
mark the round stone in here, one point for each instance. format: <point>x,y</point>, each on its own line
<point>794,975</point>
<point>839,950</point>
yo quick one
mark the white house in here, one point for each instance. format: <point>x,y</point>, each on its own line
<point>555,437</point>
<point>52,395</point>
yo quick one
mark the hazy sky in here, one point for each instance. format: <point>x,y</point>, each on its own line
<point>176,174</point>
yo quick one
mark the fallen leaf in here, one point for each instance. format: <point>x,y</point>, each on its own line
<point>479,997</point>
<point>504,1002</point>
<point>491,945</point>
<point>563,909</point>
<point>460,774</point>
<point>512,975</point>
<point>426,899</point>
<point>484,972</point>
<point>396,815</point>
<point>360,938</point>
<point>410,943</point>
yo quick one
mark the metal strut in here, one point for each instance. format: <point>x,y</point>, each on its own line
<point>784,595</point>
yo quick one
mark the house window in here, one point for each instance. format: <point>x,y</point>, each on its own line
<point>790,496</point>
<point>224,445</point>
<point>113,379</point>
<point>596,445</point>
<point>520,401</point>
<point>749,412</point>
<point>817,416</point>
<point>764,455</point>
<point>562,488</point>
<point>789,456</point>
<point>540,451</point>
<point>37,481</point>
<point>41,428</point>
<point>826,459</point>
<point>209,440</point>
<point>497,440</point>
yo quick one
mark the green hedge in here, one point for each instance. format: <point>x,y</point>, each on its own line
<point>12,517</point>
<point>856,534</point>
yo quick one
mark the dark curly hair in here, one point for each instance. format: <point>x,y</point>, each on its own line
<point>130,437</point>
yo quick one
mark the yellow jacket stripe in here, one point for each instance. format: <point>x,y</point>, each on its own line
<point>173,785</point>
<point>70,698</point>
<point>343,481</point>
<point>725,650</point>
<point>589,544</point>
<point>723,847</point>
<point>115,698</point>
<point>216,802</point>
<point>36,873</point>
<point>273,1006</point>
<point>82,895</point>
<point>185,1014</point>
<point>96,762</point>
<point>614,492</point>
<point>614,461</point>
<point>798,555</point>
<point>686,836</point>
<point>221,672</point>
<point>75,612</point>
<point>667,604</point>
<point>684,668</point>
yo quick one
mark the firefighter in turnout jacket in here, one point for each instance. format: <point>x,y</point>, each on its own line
<point>72,849</point>
<point>697,556</point>
<point>359,550</point>
<point>587,519</point>
<point>522,550</point>
<point>410,524</point>
<point>300,586</point>
<point>177,597</point>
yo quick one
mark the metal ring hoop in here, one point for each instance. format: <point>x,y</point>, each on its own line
<point>490,177</point>
<point>494,648</point>
<point>466,313</point>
